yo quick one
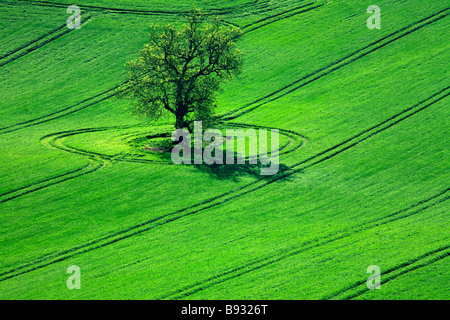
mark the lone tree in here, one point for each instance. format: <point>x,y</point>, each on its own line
<point>181,68</point>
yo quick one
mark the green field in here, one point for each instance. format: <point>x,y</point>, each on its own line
<point>364,171</point>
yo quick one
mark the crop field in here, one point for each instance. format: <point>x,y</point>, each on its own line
<point>363,117</point>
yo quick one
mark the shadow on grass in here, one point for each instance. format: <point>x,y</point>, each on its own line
<point>237,171</point>
<point>233,172</point>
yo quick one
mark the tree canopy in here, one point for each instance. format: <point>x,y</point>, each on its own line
<point>180,69</point>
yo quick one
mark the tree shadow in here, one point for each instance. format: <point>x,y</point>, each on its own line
<point>237,171</point>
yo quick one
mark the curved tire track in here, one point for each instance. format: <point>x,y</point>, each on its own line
<point>96,161</point>
<point>56,141</point>
<point>324,154</point>
<point>171,217</point>
<point>227,196</point>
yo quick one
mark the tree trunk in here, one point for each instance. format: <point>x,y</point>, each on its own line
<point>181,112</point>
<point>179,122</point>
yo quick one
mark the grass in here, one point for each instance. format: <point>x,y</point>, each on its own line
<point>363,181</point>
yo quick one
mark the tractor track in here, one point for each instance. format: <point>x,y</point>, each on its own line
<point>89,168</point>
<point>393,273</point>
<point>260,263</point>
<point>62,30</point>
<point>104,95</point>
<point>55,140</point>
<point>212,11</point>
<point>296,139</point>
<point>227,196</point>
<point>137,229</point>
<point>96,161</point>
<point>318,74</point>
<point>282,15</point>
<point>264,100</point>
<point>38,43</point>
<point>350,143</point>
<point>60,113</point>
<point>30,43</point>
